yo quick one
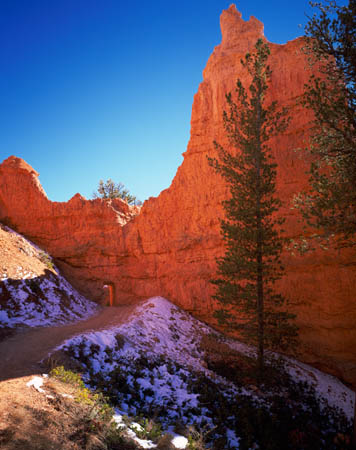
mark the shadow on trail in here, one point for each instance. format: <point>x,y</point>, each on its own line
<point>22,352</point>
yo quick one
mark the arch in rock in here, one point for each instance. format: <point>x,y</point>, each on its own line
<point>110,287</point>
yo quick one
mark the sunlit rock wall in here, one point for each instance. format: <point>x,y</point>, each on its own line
<point>169,247</point>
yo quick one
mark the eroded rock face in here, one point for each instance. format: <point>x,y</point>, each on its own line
<point>169,247</point>
<point>84,236</point>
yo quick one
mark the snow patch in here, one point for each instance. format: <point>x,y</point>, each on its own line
<point>156,363</point>
<point>37,383</point>
<point>33,300</point>
<point>180,441</point>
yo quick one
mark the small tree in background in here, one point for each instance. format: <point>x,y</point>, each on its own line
<point>251,231</point>
<point>330,203</point>
<point>110,190</point>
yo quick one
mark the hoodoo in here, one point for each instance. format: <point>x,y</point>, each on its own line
<point>169,247</point>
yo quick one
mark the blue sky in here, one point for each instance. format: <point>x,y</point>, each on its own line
<point>97,89</point>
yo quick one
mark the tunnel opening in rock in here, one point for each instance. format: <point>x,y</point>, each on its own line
<point>110,296</point>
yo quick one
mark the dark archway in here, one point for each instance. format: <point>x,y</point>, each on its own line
<point>110,288</point>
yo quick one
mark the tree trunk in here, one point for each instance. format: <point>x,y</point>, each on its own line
<point>260,312</point>
<point>354,433</point>
<point>260,300</point>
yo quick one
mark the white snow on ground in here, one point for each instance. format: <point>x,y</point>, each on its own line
<point>180,441</point>
<point>326,386</point>
<point>37,383</point>
<point>20,273</point>
<point>161,328</point>
<point>157,329</point>
<point>155,360</point>
<point>130,429</point>
<point>46,300</point>
<point>42,302</point>
<point>144,443</point>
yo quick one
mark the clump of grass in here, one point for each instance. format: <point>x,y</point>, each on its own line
<point>46,259</point>
<point>197,439</point>
<point>100,409</point>
<point>97,417</point>
<point>165,442</point>
<point>67,376</point>
<point>150,429</point>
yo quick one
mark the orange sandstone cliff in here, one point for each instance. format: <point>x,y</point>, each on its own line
<point>169,247</point>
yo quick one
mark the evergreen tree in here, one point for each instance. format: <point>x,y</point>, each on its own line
<point>252,231</point>
<point>330,203</point>
<point>110,190</point>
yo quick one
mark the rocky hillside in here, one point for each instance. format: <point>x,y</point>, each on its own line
<point>170,381</point>
<point>32,291</point>
<point>169,247</point>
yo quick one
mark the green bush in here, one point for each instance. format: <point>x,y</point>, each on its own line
<point>150,429</point>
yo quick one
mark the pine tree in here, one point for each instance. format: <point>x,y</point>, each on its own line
<point>330,204</point>
<point>252,231</point>
<point>110,190</point>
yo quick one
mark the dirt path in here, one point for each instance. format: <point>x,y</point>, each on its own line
<point>21,354</point>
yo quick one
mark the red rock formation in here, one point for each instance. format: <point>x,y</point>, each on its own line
<point>170,247</point>
<point>81,234</point>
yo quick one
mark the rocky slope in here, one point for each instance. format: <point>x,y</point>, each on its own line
<point>160,368</point>
<point>169,247</point>
<point>32,291</point>
<point>165,361</point>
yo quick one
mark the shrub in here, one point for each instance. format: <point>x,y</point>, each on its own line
<point>150,429</point>
<point>46,259</point>
<point>111,190</point>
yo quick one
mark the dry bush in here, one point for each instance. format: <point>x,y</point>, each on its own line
<point>60,358</point>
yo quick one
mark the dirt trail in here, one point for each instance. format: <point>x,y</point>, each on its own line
<point>21,354</point>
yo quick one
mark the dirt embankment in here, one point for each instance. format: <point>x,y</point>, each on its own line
<point>30,420</point>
